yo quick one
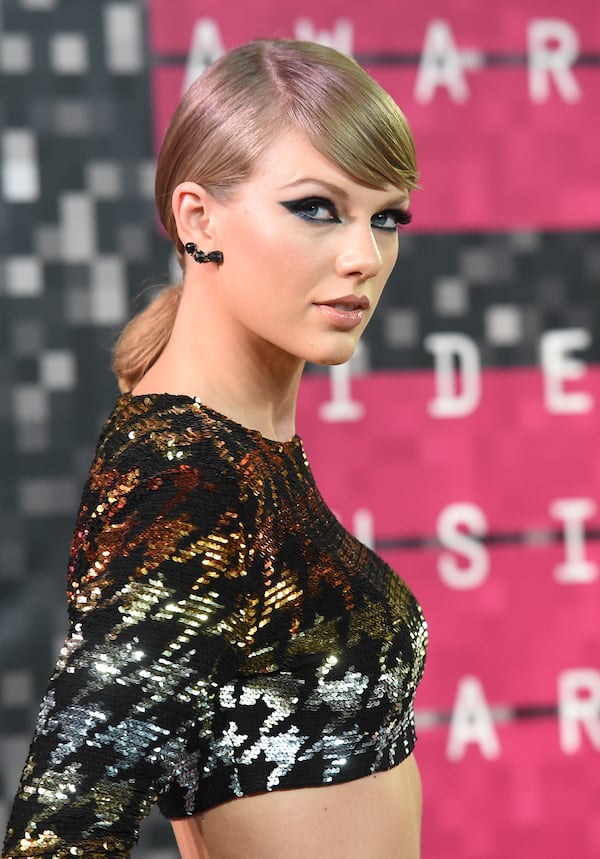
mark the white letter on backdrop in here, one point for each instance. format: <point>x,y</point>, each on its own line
<point>443,64</point>
<point>341,406</point>
<point>452,537</point>
<point>553,48</point>
<point>557,367</point>
<point>579,708</point>
<point>363,527</point>
<point>446,348</point>
<point>472,722</point>
<point>575,569</point>
<point>341,38</point>
<point>206,47</point>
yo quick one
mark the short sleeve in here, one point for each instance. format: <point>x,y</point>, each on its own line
<point>156,572</point>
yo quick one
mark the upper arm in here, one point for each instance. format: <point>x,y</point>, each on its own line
<point>154,578</point>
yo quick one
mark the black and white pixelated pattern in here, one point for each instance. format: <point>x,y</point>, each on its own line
<point>502,290</point>
<point>79,243</point>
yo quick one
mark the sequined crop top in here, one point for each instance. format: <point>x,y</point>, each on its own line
<point>227,637</point>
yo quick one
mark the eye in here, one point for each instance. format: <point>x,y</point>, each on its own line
<point>391,219</point>
<point>316,209</point>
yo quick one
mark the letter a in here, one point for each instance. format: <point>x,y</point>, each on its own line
<point>443,64</point>
<point>471,722</point>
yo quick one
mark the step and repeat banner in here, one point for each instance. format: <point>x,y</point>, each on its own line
<point>502,103</point>
<point>478,483</point>
<point>460,442</point>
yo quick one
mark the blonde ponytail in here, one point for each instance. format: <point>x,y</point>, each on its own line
<point>144,338</point>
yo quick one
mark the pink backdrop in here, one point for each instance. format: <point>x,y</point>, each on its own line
<point>481,493</point>
<point>503,141</point>
<point>510,767</point>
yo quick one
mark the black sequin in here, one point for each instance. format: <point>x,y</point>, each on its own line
<point>227,637</point>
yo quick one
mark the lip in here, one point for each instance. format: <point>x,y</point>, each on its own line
<point>344,313</point>
<point>347,302</point>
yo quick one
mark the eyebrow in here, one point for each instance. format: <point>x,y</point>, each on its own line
<point>336,190</point>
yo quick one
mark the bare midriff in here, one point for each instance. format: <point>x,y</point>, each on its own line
<point>375,817</point>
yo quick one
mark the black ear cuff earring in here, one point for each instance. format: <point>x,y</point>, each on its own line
<point>200,256</point>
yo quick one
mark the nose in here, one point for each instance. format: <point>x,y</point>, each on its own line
<point>359,255</point>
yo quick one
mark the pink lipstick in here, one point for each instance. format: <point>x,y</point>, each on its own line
<point>345,312</point>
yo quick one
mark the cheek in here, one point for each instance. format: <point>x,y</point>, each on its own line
<point>389,261</point>
<point>386,271</point>
<point>272,244</point>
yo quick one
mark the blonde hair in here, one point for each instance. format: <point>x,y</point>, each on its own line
<point>228,118</point>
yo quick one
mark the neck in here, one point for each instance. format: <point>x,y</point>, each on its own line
<point>232,371</point>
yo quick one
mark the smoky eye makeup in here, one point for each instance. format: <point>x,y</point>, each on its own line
<point>319,210</point>
<point>396,218</point>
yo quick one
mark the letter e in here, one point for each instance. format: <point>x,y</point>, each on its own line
<point>557,367</point>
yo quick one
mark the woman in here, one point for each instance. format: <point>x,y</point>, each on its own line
<point>234,654</point>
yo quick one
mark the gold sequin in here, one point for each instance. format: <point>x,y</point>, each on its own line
<point>227,637</point>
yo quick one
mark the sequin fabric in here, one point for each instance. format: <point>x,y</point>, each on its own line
<point>227,637</point>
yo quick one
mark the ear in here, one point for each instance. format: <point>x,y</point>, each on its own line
<point>193,211</point>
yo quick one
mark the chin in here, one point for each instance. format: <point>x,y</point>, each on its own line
<point>331,351</point>
<point>332,360</point>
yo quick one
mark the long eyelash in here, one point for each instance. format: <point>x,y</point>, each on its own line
<point>403,216</point>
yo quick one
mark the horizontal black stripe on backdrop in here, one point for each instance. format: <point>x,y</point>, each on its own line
<point>539,538</point>
<point>428,719</point>
<point>408,59</point>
